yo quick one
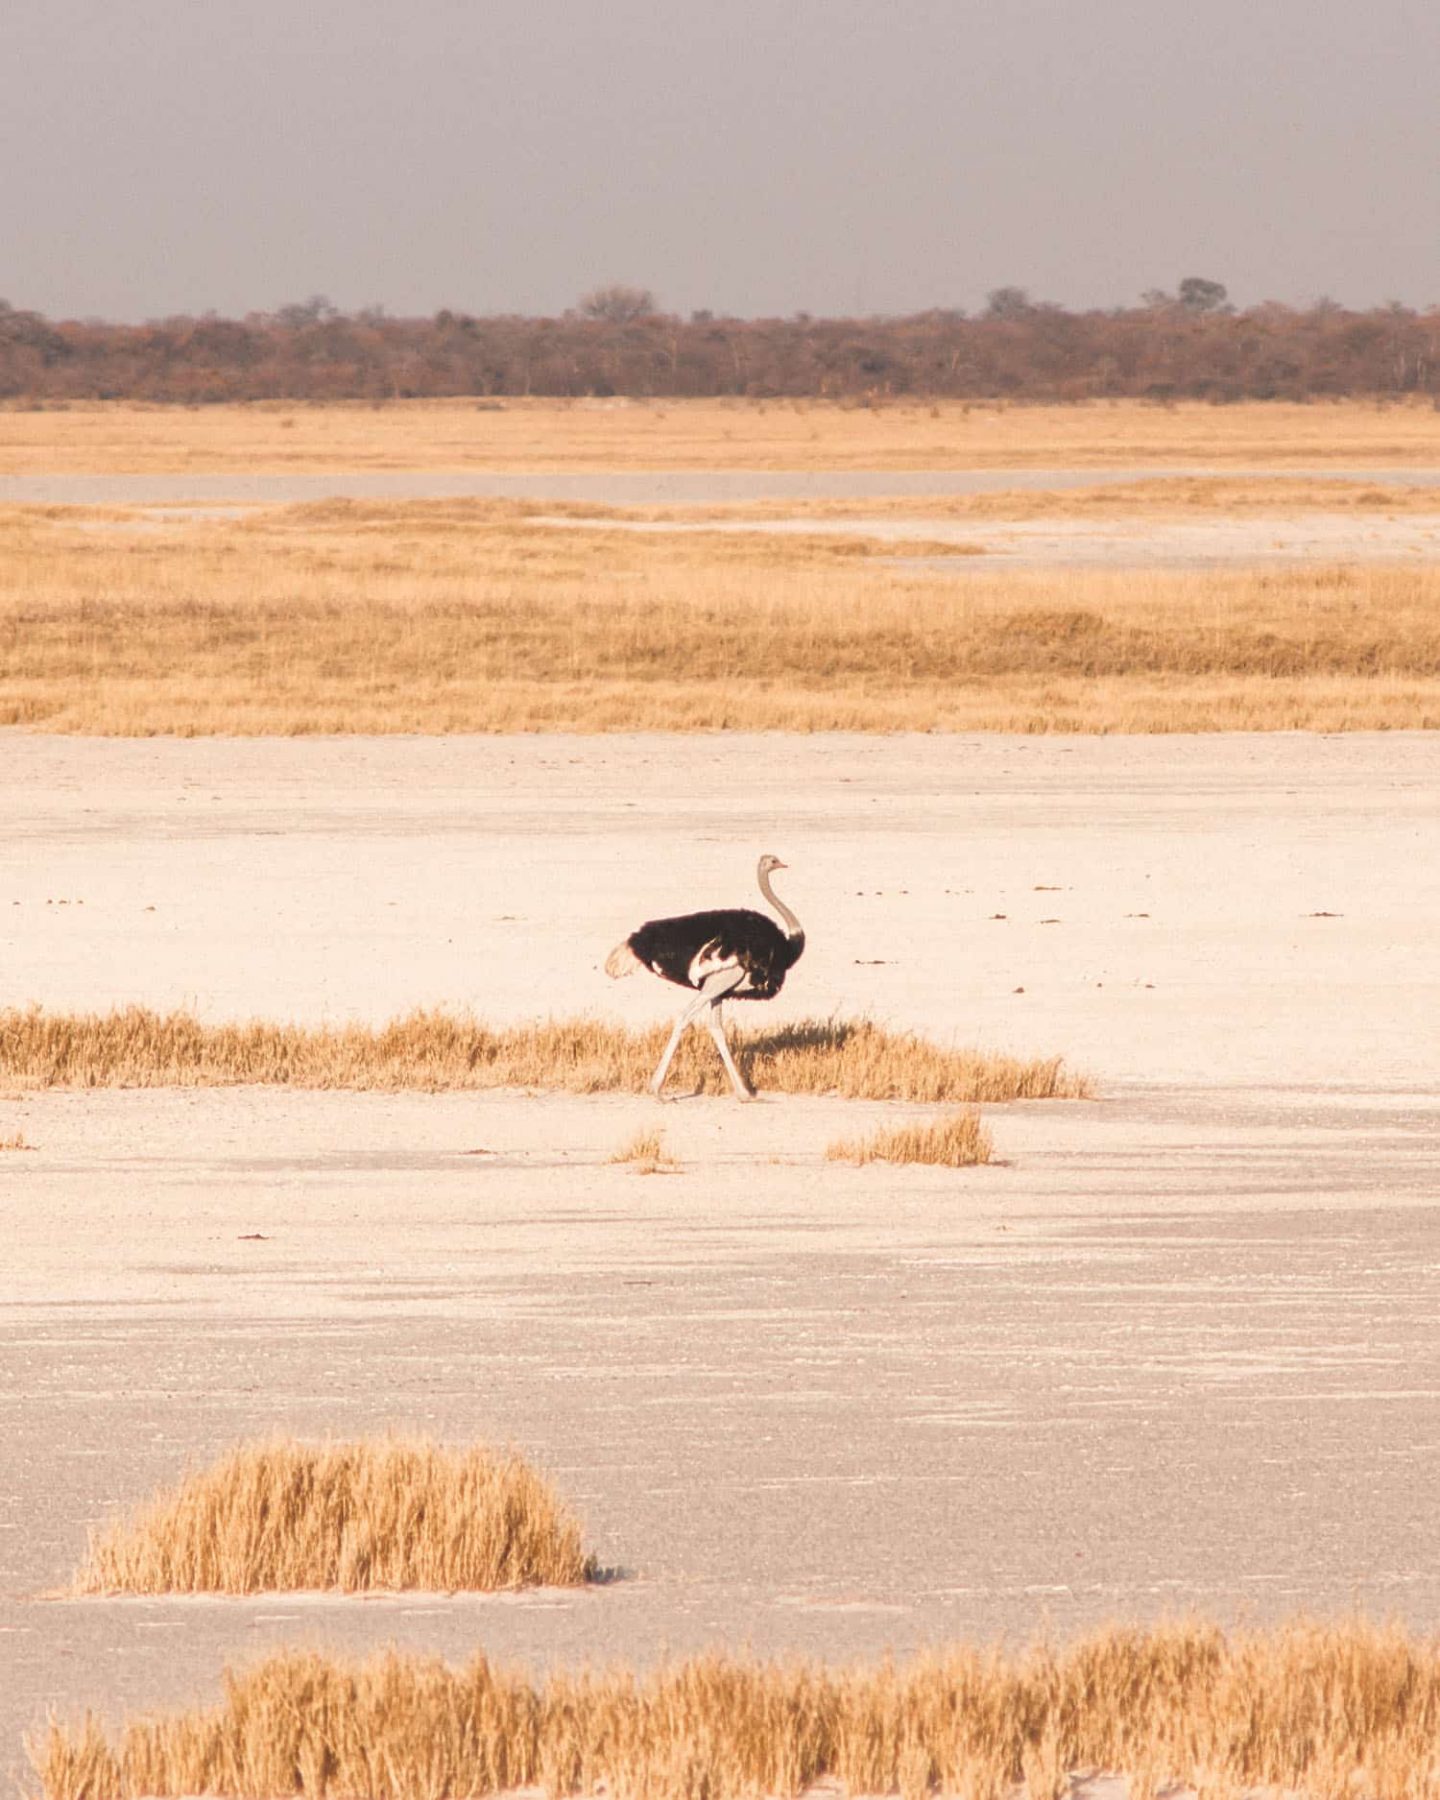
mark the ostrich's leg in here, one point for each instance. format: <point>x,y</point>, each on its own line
<point>713,989</point>
<point>743,1090</point>
<point>657,1080</point>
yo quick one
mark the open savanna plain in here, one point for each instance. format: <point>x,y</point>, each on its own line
<point>1073,1281</point>
<point>1153,607</point>
<point>703,436</point>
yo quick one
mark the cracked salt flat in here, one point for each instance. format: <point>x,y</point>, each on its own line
<point>1177,1350</point>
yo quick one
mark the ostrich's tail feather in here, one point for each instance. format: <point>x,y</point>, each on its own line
<point>622,960</point>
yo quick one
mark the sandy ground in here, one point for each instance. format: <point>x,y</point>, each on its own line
<point>1146,540</point>
<point>627,487</point>
<point>1115,542</point>
<point>1178,1349</point>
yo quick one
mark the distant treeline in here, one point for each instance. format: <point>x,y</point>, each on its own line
<point>1189,345</point>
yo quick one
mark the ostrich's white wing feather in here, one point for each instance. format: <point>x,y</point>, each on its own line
<point>708,960</point>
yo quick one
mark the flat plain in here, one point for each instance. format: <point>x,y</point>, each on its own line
<point>1200,605</point>
<point>530,437</point>
<point>1170,1351</point>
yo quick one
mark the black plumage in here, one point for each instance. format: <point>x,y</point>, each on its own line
<point>686,949</point>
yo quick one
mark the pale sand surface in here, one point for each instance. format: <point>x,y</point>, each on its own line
<point>1112,542</point>
<point>1179,1349</point>
<point>626,487</point>
<point>1146,540</point>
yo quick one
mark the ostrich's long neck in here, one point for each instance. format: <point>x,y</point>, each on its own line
<point>793,927</point>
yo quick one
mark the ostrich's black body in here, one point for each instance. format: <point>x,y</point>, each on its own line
<point>686,949</point>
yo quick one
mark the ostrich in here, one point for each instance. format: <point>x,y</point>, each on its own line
<point>734,954</point>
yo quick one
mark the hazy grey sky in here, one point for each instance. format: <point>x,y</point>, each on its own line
<point>828,155</point>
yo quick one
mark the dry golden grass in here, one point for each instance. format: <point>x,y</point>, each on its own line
<point>134,1047</point>
<point>1175,496</point>
<point>956,1141</point>
<point>705,434</point>
<point>1328,1711</point>
<point>377,1514</point>
<point>647,1154</point>
<point>458,616</point>
<point>15,1141</point>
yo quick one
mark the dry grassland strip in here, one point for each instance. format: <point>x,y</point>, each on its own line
<point>382,1514</point>
<point>1330,1712</point>
<point>471,616</point>
<point>433,1051</point>
<point>1286,497</point>
<point>278,437</point>
<point>957,1141</point>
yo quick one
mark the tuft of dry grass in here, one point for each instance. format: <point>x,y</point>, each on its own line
<point>357,1516</point>
<point>647,1153</point>
<point>856,1059</point>
<point>1325,1710</point>
<point>472,616</point>
<point>16,1141</point>
<point>956,1141</point>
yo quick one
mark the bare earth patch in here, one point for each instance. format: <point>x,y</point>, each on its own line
<point>378,1514</point>
<point>1176,1352</point>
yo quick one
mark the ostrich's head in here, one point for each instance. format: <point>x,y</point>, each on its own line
<point>769,864</point>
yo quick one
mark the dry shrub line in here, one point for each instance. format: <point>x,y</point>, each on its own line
<point>622,349</point>
<point>956,1141</point>
<point>1330,1711</point>
<point>347,1516</point>
<point>431,1050</point>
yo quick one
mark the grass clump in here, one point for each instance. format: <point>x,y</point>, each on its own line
<point>16,1141</point>
<point>1313,1709</point>
<point>647,1153</point>
<point>956,1141</point>
<point>434,1051</point>
<point>348,1516</point>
